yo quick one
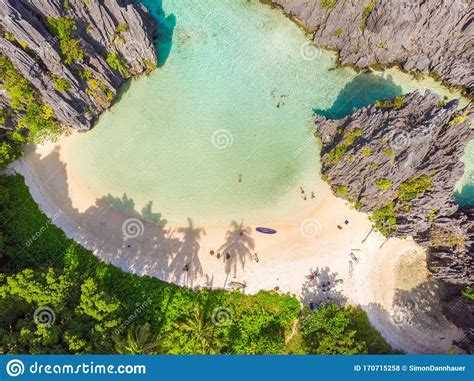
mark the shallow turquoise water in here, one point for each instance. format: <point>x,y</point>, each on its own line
<point>232,100</point>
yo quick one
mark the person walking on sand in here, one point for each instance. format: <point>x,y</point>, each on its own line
<point>186,267</point>
<point>255,256</point>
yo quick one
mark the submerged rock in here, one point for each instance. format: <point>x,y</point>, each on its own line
<point>432,36</point>
<point>76,53</point>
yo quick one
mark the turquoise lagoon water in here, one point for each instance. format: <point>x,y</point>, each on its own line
<point>223,128</point>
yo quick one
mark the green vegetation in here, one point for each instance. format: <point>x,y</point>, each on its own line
<point>350,135</point>
<point>342,190</point>
<point>18,89</point>
<point>328,4</point>
<point>384,218</point>
<point>335,330</point>
<point>63,27</point>
<point>461,118</point>
<point>61,84</point>
<point>433,214</point>
<point>366,13</point>
<point>366,152</point>
<point>34,117</point>
<point>442,102</point>
<point>389,153</point>
<point>122,27</point>
<point>414,187</point>
<point>391,104</point>
<point>468,294</point>
<point>9,36</point>
<point>443,237</point>
<point>100,309</point>
<point>117,62</point>
<point>384,184</point>
<point>338,32</point>
<point>39,120</point>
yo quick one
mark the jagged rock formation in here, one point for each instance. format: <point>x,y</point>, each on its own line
<point>76,67</point>
<point>399,160</point>
<point>432,36</point>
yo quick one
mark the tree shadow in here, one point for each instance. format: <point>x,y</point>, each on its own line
<point>186,264</point>
<point>363,90</point>
<point>320,288</point>
<point>127,206</point>
<point>238,247</point>
<point>421,306</point>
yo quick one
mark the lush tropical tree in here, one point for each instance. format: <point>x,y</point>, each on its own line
<point>201,332</point>
<point>139,341</point>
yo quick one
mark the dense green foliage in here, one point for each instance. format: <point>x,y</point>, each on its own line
<point>328,4</point>
<point>391,104</point>
<point>366,13</point>
<point>413,187</point>
<point>117,62</point>
<point>348,138</point>
<point>62,28</point>
<point>33,117</point>
<point>384,184</point>
<point>468,293</point>
<point>384,218</point>
<point>100,309</point>
<point>335,330</point>
<point>61,84</point>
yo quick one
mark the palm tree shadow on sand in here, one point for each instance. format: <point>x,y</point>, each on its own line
<point>237,248</point>
<point>186,264</point>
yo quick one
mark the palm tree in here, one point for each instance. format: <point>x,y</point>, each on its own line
<point>139,341</point>
<point>201,331</point>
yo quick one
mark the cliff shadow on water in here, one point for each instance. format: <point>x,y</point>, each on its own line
<point>165,29</point>
<point>363,90</point>
<point>465,196</point>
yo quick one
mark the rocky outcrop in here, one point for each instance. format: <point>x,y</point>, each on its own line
<point>432,36</point>
<point>77,66</point>
<point>399,160</point>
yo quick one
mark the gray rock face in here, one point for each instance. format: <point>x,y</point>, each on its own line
<point>432,36</point>
<point>102,27</point>
<point>399,160</point>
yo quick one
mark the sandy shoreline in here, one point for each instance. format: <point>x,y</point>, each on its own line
<point>389,278</point>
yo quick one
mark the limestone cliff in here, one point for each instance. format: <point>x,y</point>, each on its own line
<point>431,36</point>
<point>399,161</point>
<point>74,54</point>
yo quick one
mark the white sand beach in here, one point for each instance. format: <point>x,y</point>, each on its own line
<point>387,278</point>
